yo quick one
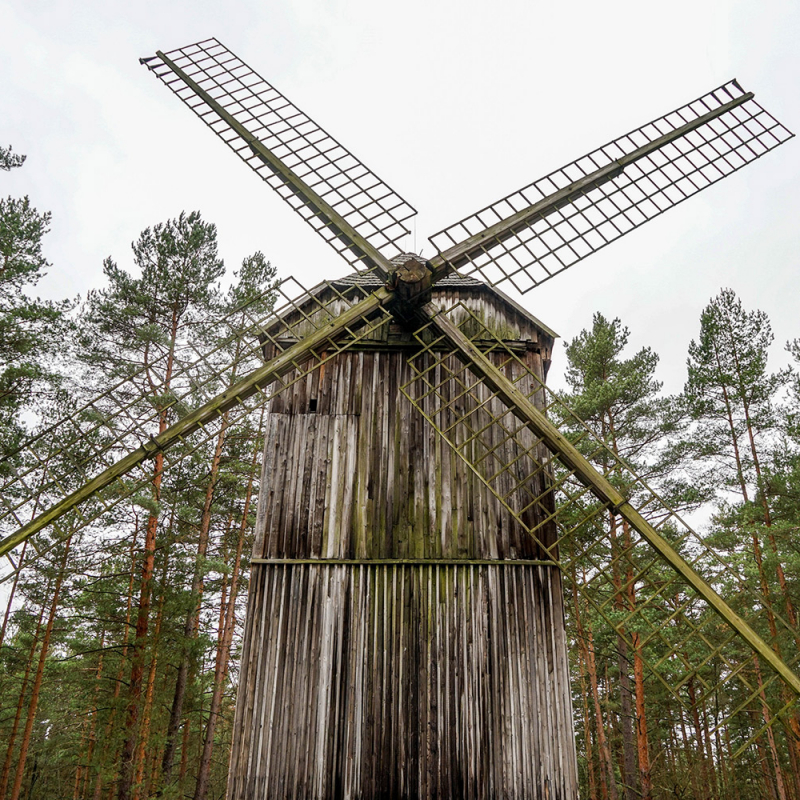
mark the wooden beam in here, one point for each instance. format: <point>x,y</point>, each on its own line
<point>413,562</point>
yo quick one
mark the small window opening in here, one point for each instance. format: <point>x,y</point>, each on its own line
<point>312,404</point>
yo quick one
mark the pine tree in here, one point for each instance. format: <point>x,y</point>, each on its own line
<point>732,396</point>
<point>31,330</point>
<point>9,160</point>
<point>122,601</point>
<point>619,399</point>
<point>731,393</point>
<point>247,298</point>
<point>783,473</point>
<point>134,329</point>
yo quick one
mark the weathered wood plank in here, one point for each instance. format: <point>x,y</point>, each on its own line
<point>462,673</point>
<point>430,506</point>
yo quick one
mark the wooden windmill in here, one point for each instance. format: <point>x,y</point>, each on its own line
<point>420,509</point>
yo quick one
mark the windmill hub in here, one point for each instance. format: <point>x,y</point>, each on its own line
<point>411,281</point>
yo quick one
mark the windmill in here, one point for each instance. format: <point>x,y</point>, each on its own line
<point>481,394</point>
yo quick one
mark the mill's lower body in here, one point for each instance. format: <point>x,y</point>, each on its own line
<point>375,680</point>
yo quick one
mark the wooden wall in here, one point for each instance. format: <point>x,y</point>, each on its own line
<point>404,681</point>
<point>365,475</point>
<point>404,678</point>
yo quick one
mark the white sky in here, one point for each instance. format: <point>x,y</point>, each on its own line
<point>454,104</point>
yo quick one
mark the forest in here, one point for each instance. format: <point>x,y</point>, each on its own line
<point>120,636</point>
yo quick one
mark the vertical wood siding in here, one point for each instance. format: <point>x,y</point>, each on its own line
<point>365,475</point>
<point>410,680</point>
<point>404,682</point>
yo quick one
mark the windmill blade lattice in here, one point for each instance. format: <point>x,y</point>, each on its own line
<point>645,613</point>
<point>255,120</point>
<point>539,231</point>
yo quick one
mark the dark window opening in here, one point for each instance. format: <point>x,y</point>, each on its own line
<point>312,404</point>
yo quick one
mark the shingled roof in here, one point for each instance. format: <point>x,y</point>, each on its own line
<point>369,280</point>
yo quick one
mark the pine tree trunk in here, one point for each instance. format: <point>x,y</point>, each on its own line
<point>192,616</point>
<point>629,780</point>
<point>144,734</point>
<point>95,714</point>
<point>642,745</point>
<point>636,785</point>
<point>629,772</point>
<point>187,728</point>
<point>732,428</point>
<point>587,727</point>
<point>713,787</point>
<point>79,769</point>
<point>98,789</point>
<point>779,787</point>
<point>643,750</point>
<point>13,591</point>
<point>37,683</point>
<point>780,784</point>
<point>140,640</point>
<point>6,616</point>
<point>767,777</point>
<point>689,754</point>
<point>21,700</point>
<point>672,747</point>
<point>698,734</point>
<point>143,616</point>
<point>583,649</point>
<point>732,770</point>
<point>626,705</point>
<point>224,646</point>
<point>10,602</point>
<point>608,783</point>
<point>722,759</point>
<point>793,722</point>
<point>155,768</point>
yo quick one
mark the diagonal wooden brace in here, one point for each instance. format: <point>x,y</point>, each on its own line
<point>519,404</point>
<point>258,379</point>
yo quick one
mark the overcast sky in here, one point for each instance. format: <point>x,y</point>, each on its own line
<point>454,104</point>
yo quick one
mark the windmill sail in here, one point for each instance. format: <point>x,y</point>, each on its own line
<point>245,111</point>
<point>542,229</point>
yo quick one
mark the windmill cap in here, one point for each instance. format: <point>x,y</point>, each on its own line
<point>369,280</point>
